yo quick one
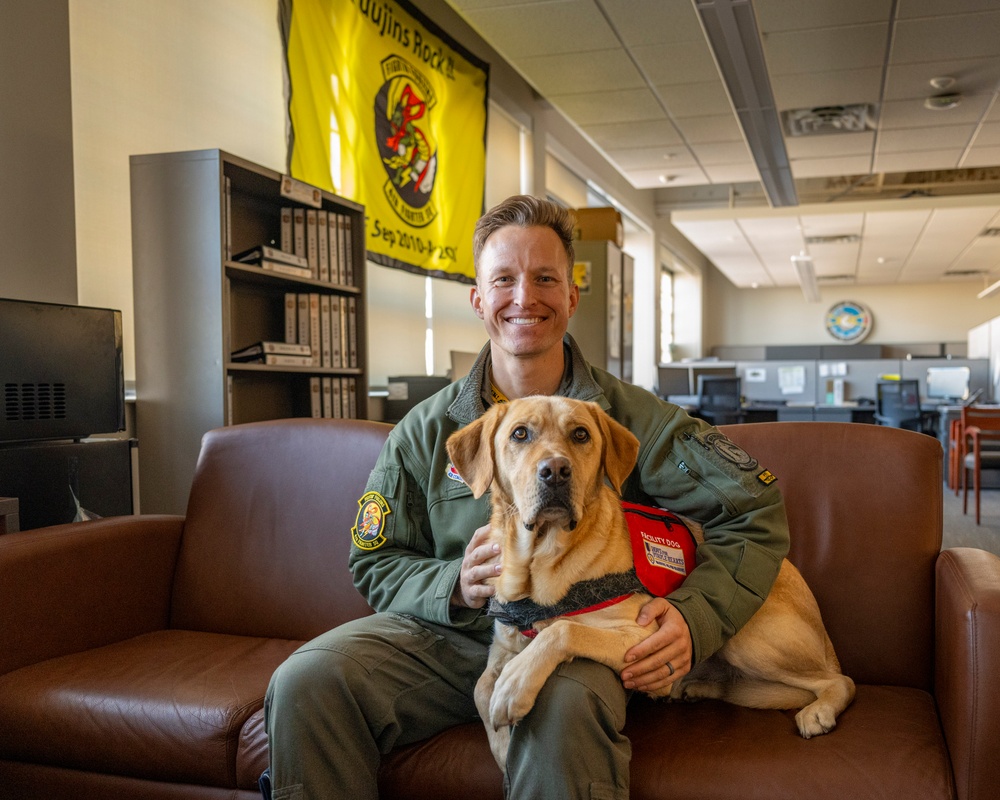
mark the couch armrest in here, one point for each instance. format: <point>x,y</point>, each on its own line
<point>967,667</point>
<point>69,588</point>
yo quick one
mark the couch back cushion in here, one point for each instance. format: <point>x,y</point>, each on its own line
<point>267,533</point>
<point>865,513</point>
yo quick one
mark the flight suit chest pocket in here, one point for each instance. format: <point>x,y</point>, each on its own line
<point>722,461</point>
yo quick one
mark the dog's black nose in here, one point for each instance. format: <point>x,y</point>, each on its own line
<point>554,471</point>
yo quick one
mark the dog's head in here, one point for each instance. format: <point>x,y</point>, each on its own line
<point>544,456</point>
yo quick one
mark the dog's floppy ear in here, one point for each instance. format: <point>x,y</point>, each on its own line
<point>620,448</point>
<point>471,449</point>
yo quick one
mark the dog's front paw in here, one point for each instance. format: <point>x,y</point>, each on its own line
<point>513,696</point>
<point>815,720</point>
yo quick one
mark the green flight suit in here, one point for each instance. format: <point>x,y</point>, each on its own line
<point>408,564</point>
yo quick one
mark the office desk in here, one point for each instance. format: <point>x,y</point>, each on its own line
<point>775,412</point>
<point>826,413</point>
<point>9,515</point>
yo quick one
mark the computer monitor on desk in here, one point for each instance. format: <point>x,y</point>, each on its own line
<point>947,384</point>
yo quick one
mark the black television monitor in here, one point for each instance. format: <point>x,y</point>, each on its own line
<point>61,371</point>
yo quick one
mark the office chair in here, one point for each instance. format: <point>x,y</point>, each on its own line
<point>897,405</point>
<point>719,399</point>
<point>979,430</point>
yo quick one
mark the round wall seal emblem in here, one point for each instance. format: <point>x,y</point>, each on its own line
<point>849,321</point>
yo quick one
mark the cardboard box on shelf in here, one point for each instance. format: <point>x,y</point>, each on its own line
<point>598,223</point>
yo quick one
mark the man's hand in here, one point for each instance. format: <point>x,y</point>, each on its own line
<point>665,656</point>
<point>482,561</point>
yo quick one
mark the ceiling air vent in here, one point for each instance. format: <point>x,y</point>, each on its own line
<point>962,274</point>
<point>990,232</point>
<point>829,119</point>
<point>835,278</point>
<point>840,238</point>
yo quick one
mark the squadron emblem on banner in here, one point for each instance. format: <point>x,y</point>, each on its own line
<point>405,138</point>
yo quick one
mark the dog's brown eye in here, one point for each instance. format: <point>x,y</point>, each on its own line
<point>519,434</point>
<point>581,434</point>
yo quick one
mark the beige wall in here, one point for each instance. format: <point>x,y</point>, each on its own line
<point>160,77</point>
<point>928,313</point>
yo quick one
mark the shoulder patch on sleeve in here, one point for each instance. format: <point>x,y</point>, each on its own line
<point>767,477</point>
<point>717,458</point>
<point>368,532</point>
<point>731,451</point>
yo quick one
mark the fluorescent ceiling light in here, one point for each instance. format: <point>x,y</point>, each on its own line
<point>731,29</point>
<point>806,273</point>
<point>989,291</point>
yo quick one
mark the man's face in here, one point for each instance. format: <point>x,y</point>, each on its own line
<point>523,292</point>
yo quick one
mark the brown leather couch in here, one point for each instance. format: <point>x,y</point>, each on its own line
<point>135,652</point>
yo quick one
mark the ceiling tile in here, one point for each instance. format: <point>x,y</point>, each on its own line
<point>941,37</point>
<point>732,173</point>
<point>988,134</point>
<point>827,49</point>
<point>891,236</point>
<point>785,15</point>
<point>695,99</point>
<point>663,159</point>
<point>650,179</point>
<point>834,88</point>
<point>830,145</point>
<point>912,114</point>
<point>932,8</point>
<point>681,62</point>
<point>983,254</point>
<point>908,140</point>
<point>643,22</point>
<point>716,128</point>
<point>620,135</point>
<point>629,105</point>
<point>972,76</point>
<point>590,71</point>
<point>918,161</point>
<point>828,167</point>
<point>982,157</point>
<point>832,224</point>
<point>525,29</point>
<point>723,153</point>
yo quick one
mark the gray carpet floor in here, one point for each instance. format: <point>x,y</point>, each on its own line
<point>960,530</point>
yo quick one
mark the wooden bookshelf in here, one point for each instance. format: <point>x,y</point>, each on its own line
<point>194,306</point>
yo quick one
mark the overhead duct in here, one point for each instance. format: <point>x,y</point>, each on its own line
<point>731,29</point>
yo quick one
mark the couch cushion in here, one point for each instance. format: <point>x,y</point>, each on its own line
<point>168,705</point>
<point>888,744</point>
<point>267,534</point>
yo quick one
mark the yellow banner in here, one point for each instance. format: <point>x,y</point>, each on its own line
<point>388,111</point>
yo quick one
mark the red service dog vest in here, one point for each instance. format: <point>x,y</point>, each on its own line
<point>663,548</point>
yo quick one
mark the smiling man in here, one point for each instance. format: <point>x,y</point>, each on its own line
<point>409,671</point>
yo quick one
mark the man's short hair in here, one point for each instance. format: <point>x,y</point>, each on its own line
<point>525,211</point>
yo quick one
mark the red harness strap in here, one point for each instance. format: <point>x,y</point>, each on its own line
<point>531,633</point>
<point>663,551</point>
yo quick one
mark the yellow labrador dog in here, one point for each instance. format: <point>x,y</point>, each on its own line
<point>560,524</point>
